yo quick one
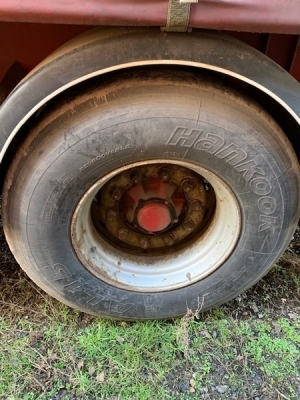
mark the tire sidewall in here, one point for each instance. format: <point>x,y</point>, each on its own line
<point>223,139</point>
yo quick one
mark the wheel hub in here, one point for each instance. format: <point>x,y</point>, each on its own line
<point>153,207</point>
<point>153,217</point>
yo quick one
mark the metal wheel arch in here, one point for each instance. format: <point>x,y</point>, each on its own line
<point>79,60</point>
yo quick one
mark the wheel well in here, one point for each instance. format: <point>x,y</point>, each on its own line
<point>284,119</point>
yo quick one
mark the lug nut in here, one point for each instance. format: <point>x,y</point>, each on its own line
<point>164,174</point>
<point>188,225</point>
<point>116,193</point>
<point>111,215</point>
<point>187,185</point>
<point>168,240</point>
<point>135,177</point>
<point>144,243</point>
<point>122,233</point>
<point>196,205</point>
<point>206,185</point>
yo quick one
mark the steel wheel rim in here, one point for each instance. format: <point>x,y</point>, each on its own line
<point>190,262</point>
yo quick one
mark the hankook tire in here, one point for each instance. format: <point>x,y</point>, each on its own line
<point>145,195</point>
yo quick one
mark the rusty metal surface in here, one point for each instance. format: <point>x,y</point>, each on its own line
<point>273,16</point>
<point>116,209</point>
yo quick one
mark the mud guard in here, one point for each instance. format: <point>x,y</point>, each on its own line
<point>104,50</point>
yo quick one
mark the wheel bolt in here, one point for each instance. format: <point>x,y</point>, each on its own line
<point>164,174</point>
<point>122,233</point>
<point>168,240</point>
<point>144,243</point>
<point>116,193</point>
<point>135,177</point>
<point>187,185</point>
<point>111,215</point>
<point>206,185</point>
<point>196,205</point>
<point>188,225</point>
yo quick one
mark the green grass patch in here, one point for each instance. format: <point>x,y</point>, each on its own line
<point>66,357</point>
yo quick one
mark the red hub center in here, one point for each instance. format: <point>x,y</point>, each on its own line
<point>152,206</point>
<point>154,217</point>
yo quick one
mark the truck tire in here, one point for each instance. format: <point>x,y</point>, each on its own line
<point>150,194</point>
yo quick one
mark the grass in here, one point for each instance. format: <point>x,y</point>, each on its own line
<point>246,349</point>
<point>71,357</point>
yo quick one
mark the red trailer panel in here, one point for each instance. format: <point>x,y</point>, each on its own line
<point>273,16</point>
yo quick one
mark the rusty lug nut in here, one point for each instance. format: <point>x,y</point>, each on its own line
<point>116,193</point>
<point>188,225</point>
<point>164,174</point>
<point>168,240</point>
<point>196,205</point>
<point>122,233</point>
<point>111,215</point>
<point>144,243</point>
<point>187,185</point>
<point>135,177</point>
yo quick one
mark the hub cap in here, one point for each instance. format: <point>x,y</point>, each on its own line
<point>153,217</point>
